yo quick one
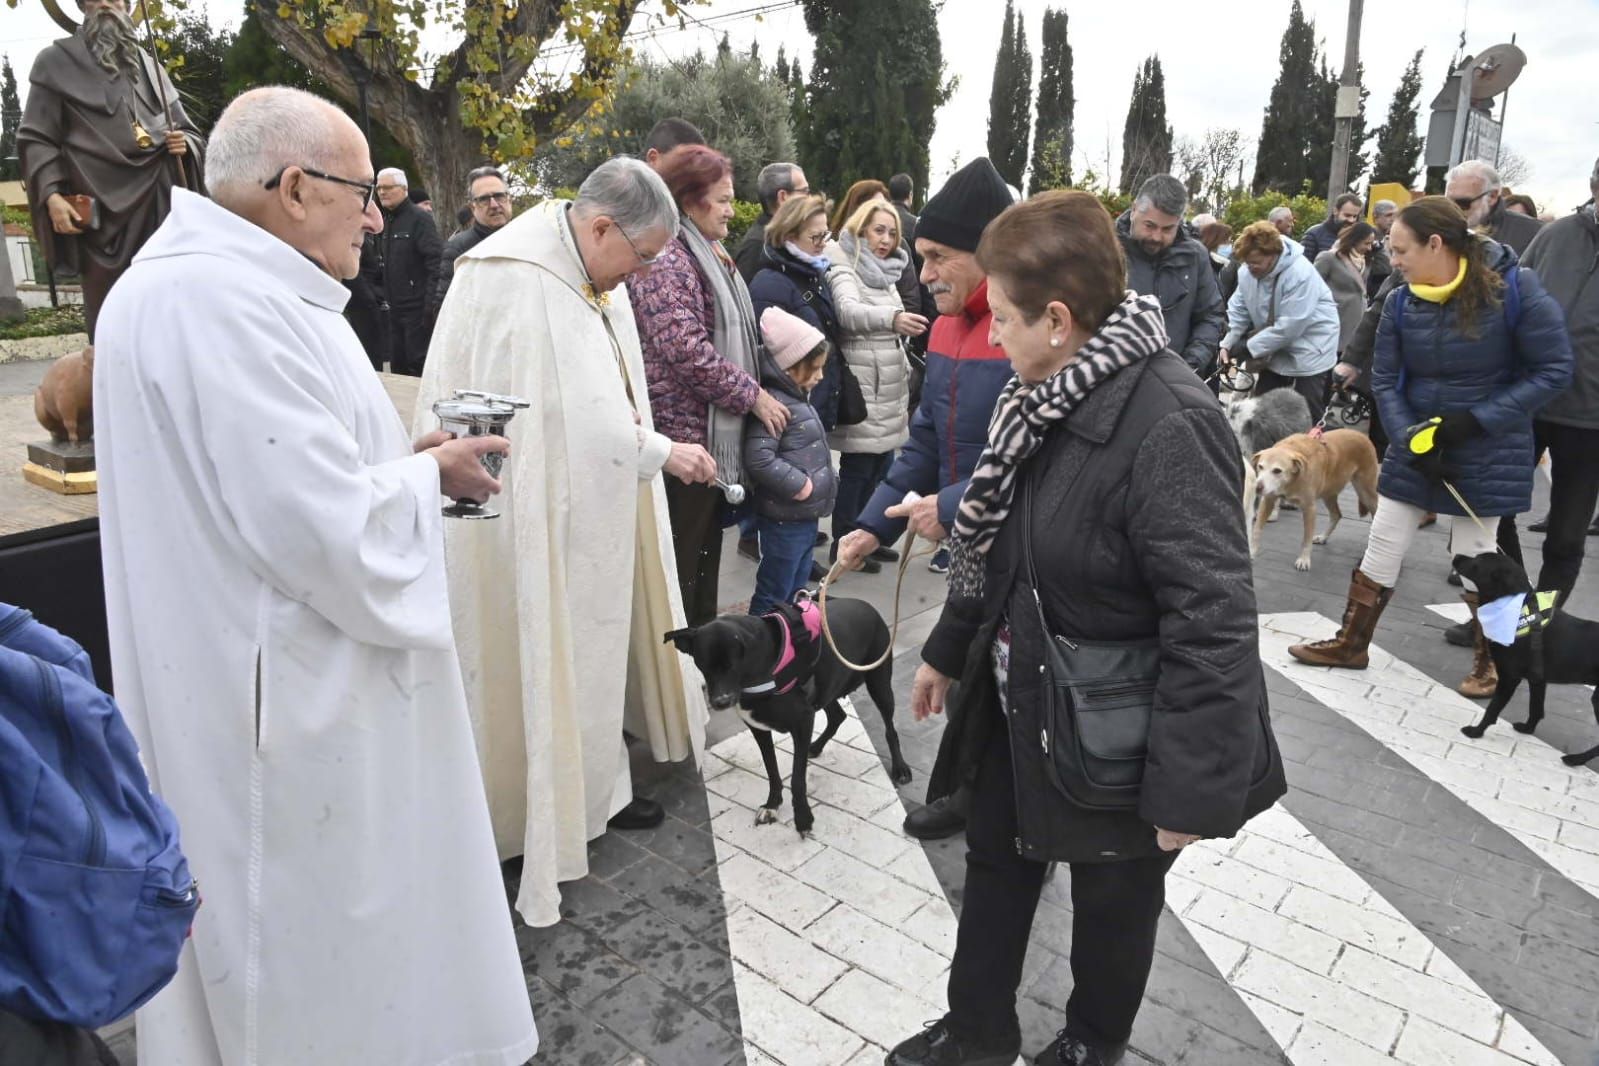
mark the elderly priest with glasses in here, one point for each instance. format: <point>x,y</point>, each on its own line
<point>280,631</point>
<point>560,605</point>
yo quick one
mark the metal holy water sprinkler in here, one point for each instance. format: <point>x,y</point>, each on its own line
<point>477,414</point>
<point>734,493</point>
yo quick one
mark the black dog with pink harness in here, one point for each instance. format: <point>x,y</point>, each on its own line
<point>778,671</point>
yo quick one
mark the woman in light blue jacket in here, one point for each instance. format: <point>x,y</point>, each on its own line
<point>1285,314</point>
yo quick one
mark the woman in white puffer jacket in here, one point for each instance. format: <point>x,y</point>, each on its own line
<point>868,260</point>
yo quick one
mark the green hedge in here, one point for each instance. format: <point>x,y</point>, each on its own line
<point>46,322</point>
<point>1308,210</point>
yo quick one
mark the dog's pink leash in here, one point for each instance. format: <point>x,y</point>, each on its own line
<point>838,570</point>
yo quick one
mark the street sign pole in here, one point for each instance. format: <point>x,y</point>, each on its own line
<point>1348,106</point>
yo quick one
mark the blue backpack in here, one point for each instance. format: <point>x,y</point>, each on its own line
<point>95,896</point>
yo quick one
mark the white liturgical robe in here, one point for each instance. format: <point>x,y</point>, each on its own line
<point>281,644</point>
<point>561,604</point>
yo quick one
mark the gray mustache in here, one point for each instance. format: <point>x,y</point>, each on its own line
<point>940,288</point>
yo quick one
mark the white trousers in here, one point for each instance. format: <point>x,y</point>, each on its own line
<point>1394,527</point>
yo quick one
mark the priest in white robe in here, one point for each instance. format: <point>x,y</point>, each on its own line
<point>280,631</point>
<point>561,604</point>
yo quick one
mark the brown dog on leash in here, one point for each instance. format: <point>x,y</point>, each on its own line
<point>1305,469</point>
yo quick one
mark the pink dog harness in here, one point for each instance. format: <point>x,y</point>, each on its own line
<point>801,624</point>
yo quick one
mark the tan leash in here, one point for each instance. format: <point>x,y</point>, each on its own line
<point>837,571</point>
<point>1469,512</point>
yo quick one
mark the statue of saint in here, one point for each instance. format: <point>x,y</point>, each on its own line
<point>103,121</point>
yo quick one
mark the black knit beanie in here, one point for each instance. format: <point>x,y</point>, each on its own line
<point>971,199</point>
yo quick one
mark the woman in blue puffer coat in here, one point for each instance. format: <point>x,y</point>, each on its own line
<point>1474,341</point>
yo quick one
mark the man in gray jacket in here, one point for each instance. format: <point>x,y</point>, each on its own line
<point>1475,188</point>
<point>1175,269</point>
<point>1565,253</point>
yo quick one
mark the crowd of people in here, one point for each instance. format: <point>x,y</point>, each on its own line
<point>328,680</point>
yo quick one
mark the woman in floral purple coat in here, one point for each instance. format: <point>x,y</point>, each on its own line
<point>700,358</point>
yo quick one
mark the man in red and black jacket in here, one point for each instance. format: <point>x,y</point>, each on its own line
<point>965,375</point>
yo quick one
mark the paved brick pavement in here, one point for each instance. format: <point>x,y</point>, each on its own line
<point>1417,897</point>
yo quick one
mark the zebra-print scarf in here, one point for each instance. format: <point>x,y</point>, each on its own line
<point>1024,414</point>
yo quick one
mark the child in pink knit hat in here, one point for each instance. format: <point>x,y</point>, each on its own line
<point>793,475</point>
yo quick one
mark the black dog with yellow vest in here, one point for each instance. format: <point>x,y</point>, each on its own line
<point>1529,637</point>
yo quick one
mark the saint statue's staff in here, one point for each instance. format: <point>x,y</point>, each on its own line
<point>160,86</point>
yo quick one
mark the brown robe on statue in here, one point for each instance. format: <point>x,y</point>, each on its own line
<point>77,137</point>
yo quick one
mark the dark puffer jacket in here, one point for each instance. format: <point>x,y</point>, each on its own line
<point>778,467</point>
<point>1184,282</point>
<point>1503,379</point>
<point>965,375</point>
<point>801,289</point>
<point>1120,487</point>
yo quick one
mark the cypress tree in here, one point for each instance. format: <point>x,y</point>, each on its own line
<point>1052,136</point>
<point>10,119</point>
<point>854,42</point>
<point>1146,138</point>
<point>1292,134</point>
<point>1398,143</point>
<point>1010,100</point>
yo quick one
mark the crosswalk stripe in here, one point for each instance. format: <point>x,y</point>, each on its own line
<point>1334,972</point>
<point>841,942</point>
<point>1516,782</point>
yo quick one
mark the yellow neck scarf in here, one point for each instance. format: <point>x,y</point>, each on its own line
<point>1440,293</point>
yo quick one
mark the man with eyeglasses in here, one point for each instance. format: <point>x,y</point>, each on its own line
<point>490,200</point>
<point>404,273</point>
<point>280,630</point>
<point>773,186</point>
<point>1475,188</point>
<point>559,608</point>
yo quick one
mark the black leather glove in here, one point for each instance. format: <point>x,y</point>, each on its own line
<point>1431,466</point>
<point>1457,427</point>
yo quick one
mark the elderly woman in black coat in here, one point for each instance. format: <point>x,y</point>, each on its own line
<point>1113,703</point>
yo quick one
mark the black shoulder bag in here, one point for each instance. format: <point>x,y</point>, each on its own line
<point>1096,699</point>
<point>851,400</point>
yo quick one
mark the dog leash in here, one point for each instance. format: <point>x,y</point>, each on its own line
<point>837,570</point>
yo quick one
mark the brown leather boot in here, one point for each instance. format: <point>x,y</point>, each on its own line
<point>1348,649</point>
<point>1483,679</point>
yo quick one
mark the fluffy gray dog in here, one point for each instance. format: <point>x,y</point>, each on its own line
<point>1261,421</point>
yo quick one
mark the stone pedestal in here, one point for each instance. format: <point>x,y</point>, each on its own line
<point>61,467</point>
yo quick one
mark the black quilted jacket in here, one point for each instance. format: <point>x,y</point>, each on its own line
<point>1138,532</point>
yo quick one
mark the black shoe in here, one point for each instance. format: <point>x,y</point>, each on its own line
<point>937,1046</point>
<point>821,538</point>
<point>939,563</point>
<point>1593,528</point>
<point>750,548</point>
<point>1454,577</point>
<point>1459,634</point>
<point>939,819</point>
<point>885,555</point>
<point>1069,1051</point>
<point>640,814</point>
<point>1540,525</point>
<point>818,571</point>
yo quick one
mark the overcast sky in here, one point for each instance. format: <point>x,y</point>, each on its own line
<point>1220,62</point>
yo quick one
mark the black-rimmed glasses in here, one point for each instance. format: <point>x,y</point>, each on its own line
<point>643,260</point>
<point>492,198</point>
<point>368,189</point>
